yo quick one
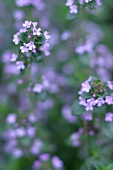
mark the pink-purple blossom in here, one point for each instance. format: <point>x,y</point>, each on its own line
<point>20,65</point>
<point>99,102</point>
<point>24,49</point>
<point>109,117</point>
<point>30,46</point>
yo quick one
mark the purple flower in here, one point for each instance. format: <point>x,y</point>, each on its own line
<point>109,100</point>
<point>37,31</point>
<point>81,1</point>
<point>16,39</point>
<point>89,104</point>
<point>38,4</point>
<point>109,117</point>
<point>110,85</point>
<point>32,118</point>
<point>44,157</point>
<point>20,65</point>
<point>17,153</point>
<point>98,2</point>
<point>27,24</point>
<point>20,132</point>
<point>38,88</point>
<point>88,107</point>
<point>82,101</point>
<point>44,48</point>
<point>36,147</point>
<point>36,165</point>
<point>65,35</point>
<point>18,14</point>
<point>34,24</point>
<point>66,113</point>
<point>30,46</point>
<point>87,1</point>
<point>57,163</point>
<point>69,2</point>
<point>24,48</point>
<point>73,9</point>
<point>13,57</point>
<point>88,116</point>
<point>75,139</point>
<point>46,35</point>
<point>99,102</point>
<point>11,118</point>
<point>23,2</point>
<point>85,86</point>
<point>31,131</point>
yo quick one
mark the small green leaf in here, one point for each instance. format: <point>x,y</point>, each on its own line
<point>86,95</point>
<point>107,130</point>
<point>100,110</point>
<point>109,91</point>
<point>91,5</point>
<point>85,59</point>
<point>77,109</point>
<point>71,16</point>
<point>37,57</point>
<point>41,41</point>
<point>22,36</point>
<point>101,95</point>
<point>41,96</point>
<point>109,167</point>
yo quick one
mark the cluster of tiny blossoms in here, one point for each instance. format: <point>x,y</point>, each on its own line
<point>46,161</point>
<point>73,6</point>
<point>94,92</point>
<point>32,42</point>
<point>38,4</point>
<point>21,128</point>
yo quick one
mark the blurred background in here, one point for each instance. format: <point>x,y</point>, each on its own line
<point>38,131</point>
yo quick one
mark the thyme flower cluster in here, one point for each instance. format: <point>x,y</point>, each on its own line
<point>38,4</point>
<point>32,42</point>
<point>74,6</point>
<point>94,93</point>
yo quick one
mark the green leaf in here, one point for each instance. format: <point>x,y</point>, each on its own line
<point>109,91</point>
<point>22,36</point>
<point>37,57</point>
<point>102,95</point>
<point>92,163</point>
<point>91,5</point>
<point>40,41</point>
<point>109,167</point>
<point>107,129</point>
<point>41,96</point>
<point>71,16</point>
<point>100,110</point>
<point>77,109</point>
<point>85,59</point>
<point>86,95</point>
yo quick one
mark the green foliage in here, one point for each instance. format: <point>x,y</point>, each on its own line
<point>86,95</point>
<point>23,36</point>
<point>77,109</point>
<point>66,70</point>
<point>38,57</point>
<point>92,164</point>
<point>107,130</point>
<point>91,4</point>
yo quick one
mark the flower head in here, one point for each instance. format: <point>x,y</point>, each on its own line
<point>27,24</point>
<point>33,42</point>
<point>109,117</point>
<point>20,65</point>
<point>93,93</point>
